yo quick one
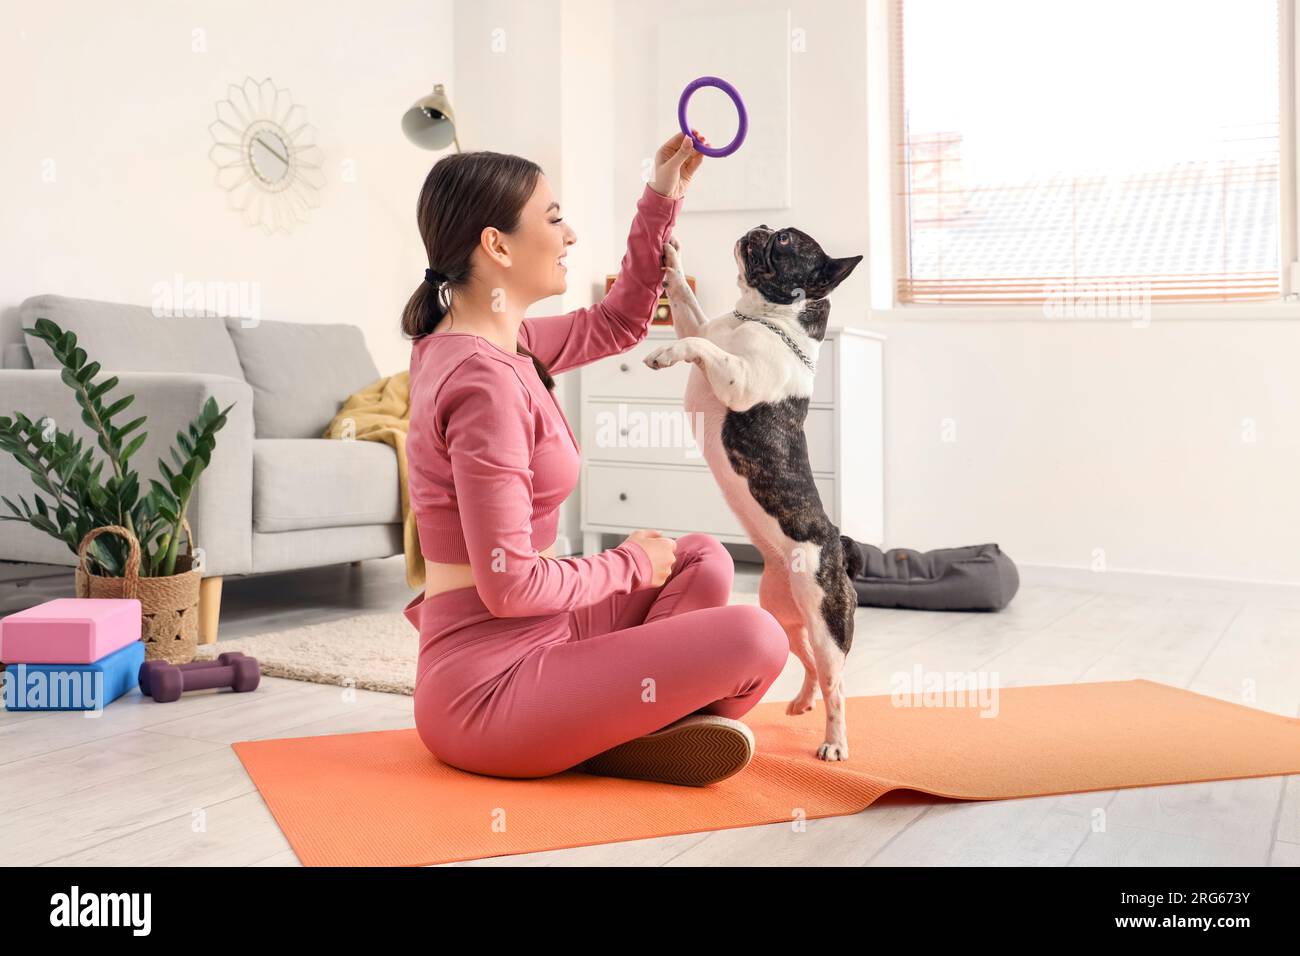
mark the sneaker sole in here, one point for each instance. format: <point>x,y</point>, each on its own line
<point>697,750</point>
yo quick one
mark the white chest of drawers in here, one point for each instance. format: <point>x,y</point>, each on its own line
<point>642,469</point>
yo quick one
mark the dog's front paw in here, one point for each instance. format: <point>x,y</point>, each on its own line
<point>673,257</point>
<point>675,284</point>
<point>833,751</point>
<point>665,356</point>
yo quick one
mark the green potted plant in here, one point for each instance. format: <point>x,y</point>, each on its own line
<point>126,537</point>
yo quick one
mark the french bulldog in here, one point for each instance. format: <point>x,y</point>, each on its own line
<point>747,399</point>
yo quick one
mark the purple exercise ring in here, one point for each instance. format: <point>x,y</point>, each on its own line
<point>730,90</point>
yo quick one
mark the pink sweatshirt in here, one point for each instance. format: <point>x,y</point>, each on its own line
<point>490,455</point>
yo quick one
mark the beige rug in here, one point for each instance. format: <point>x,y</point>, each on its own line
<point>372,651</point>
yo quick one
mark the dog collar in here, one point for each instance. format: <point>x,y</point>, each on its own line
<point>811,365</point>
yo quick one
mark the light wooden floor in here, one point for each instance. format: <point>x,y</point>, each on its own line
<point>148,784</point>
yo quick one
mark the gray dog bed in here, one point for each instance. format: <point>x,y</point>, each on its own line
<point>974,578</point>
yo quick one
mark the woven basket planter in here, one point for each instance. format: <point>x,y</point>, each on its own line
<point>169,605</point>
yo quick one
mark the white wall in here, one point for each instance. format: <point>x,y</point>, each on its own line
<point>116,96</point>
<point>1079,436</point>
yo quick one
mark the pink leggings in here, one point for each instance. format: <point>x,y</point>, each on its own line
<point>533,696</point>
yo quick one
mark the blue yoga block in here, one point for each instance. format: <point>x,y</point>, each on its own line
<point>73,686</point>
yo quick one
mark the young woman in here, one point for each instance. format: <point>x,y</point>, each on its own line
<point>629,662</point>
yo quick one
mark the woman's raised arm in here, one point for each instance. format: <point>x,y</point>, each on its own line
<point>622,318</point>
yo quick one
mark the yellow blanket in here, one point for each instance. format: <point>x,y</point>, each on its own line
<point>381,412</point>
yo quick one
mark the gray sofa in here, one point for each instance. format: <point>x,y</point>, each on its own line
<point>277,496</point>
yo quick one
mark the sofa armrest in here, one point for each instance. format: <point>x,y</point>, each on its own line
<point>221,508</point>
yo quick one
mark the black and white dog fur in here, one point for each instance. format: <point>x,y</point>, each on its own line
<point>747,399</point>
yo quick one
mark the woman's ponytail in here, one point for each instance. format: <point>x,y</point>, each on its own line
<point>424,310</point>
<point>542,371</point>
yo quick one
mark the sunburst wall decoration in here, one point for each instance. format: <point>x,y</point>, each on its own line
<point>266,156</point>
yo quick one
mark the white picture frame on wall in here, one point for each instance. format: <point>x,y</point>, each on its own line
<point>751,51</point>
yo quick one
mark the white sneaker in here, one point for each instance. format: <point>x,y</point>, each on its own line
<point>697,750</point>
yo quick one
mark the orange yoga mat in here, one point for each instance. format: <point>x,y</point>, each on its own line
<point>381,799</point>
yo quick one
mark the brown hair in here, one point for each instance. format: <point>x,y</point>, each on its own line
<point>463,194</point>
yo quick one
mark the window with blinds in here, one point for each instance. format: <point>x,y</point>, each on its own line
<point>1057,145</point>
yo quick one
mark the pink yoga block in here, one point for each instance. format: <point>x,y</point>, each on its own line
<point>69,631</point>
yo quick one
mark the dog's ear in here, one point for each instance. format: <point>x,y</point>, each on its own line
<point>836,271</point>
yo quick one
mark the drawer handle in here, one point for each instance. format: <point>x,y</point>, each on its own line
<point>622,496</point>
<point>622,366</point>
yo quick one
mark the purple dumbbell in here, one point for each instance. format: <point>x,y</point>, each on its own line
<point>166,682</point>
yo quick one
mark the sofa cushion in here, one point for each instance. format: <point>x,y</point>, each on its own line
<point>301,373</point>
<point>17,355</point>
<point>130,338</point>
<point>303,483</point>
